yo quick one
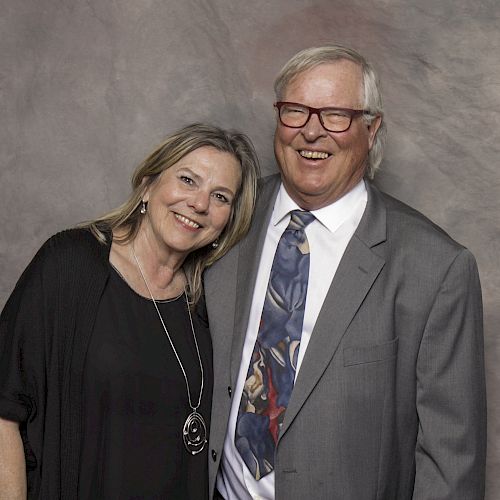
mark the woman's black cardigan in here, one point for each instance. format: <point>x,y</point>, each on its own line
<point>45,330</point>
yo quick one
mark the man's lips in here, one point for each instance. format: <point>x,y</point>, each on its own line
<point>313,155</point>
<point>188,222</point>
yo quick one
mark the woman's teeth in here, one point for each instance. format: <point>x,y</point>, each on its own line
<point>187,221</point>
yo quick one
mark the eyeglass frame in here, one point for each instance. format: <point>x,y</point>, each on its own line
<point>317,111</point>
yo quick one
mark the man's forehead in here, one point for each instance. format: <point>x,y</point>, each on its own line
<point>336,68</point>
<point>336,77</point>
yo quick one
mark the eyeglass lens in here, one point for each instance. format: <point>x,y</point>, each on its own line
<point>333,120</point>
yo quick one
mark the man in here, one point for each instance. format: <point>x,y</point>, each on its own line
<point>347,328</point>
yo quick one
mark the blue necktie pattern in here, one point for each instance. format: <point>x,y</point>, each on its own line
<point>273,364</point>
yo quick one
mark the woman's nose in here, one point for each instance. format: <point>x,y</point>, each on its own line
<point>200,201</point>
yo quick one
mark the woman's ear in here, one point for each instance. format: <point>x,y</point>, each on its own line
<point>146,186</point>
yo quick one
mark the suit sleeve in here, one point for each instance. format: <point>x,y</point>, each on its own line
<point>451,402</point>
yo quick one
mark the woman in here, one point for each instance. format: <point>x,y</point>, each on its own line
<point>105,356</point>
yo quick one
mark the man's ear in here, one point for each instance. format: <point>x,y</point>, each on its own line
<point>372,130</point>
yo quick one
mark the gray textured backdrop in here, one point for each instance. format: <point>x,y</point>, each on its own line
<point>88,88</point>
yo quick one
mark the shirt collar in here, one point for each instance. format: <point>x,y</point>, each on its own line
<point>332,216</point>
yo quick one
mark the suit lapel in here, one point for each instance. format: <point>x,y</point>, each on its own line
<point>250,251</point>
<point>355,275</point>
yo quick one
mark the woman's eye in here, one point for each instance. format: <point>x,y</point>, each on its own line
<point>186,180</point>
<point>221,197</point>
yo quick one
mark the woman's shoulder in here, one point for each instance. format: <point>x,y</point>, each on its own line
<point>75,243</point>
<point>68,257</point>
<point>70,252</point>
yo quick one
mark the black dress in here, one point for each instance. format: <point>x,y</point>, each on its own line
<point>135,399</point>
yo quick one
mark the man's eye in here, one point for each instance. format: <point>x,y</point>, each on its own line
<point>335,114</point>
<point>186,180</point>
<point>296,111</point>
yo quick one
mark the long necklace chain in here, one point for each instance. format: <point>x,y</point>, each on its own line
<point>194,408</point>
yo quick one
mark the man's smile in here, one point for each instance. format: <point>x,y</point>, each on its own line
<point>313,155</point>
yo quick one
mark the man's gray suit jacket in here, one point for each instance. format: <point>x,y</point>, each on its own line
<point>389,403</point>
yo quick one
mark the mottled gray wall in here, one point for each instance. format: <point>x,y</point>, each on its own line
<point>87,88</point>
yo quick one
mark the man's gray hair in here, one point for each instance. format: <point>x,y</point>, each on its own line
<point>372,99</point>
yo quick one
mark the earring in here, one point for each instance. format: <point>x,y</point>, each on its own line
<point>215,244</point>
<point>144,207</point>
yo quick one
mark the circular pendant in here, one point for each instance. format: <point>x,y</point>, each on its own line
<point>194,433</point>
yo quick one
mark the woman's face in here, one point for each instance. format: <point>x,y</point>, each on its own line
<point>190,203</point>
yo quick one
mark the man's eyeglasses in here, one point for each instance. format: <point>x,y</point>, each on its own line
<point>296,115</point>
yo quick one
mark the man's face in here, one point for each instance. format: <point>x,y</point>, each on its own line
<point>316,182</point>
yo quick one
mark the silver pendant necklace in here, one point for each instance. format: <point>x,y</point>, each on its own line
<point>194,431</point>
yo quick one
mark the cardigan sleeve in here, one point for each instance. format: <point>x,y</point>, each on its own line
<point>44,329</point>
<point>22,350</point>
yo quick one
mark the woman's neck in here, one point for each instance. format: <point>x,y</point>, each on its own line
<point>162,269</point>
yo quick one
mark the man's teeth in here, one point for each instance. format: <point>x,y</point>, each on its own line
<point>314,154</point>
<point>187,221</point>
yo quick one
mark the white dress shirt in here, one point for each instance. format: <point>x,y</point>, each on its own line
<point>328,237</point>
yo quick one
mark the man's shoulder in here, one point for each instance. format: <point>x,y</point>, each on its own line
<point>409,226</point>
<point>267,191</point>
<point>268,184</point>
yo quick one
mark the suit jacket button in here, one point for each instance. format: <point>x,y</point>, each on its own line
<point>214,455</point>
<point>229,391</point>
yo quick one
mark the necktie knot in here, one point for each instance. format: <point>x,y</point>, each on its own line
<point>300,219</point>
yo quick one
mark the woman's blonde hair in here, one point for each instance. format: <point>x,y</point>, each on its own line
<point>175,147</point>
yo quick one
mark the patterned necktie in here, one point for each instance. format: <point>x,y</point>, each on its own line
<point>271,372</point>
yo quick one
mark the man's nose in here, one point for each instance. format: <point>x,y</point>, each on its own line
<point>313,129</point>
